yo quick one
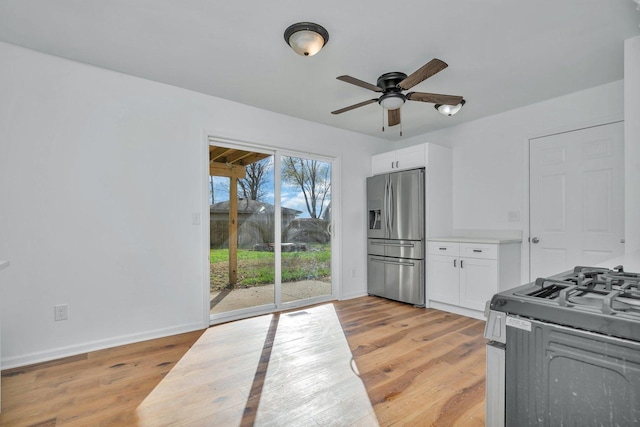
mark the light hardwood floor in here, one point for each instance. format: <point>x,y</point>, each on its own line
<point>362,362</point>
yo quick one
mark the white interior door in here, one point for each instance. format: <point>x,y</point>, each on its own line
<point>577,199</point>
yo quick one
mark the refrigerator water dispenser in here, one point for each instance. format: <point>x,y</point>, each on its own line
<point>375,219</point>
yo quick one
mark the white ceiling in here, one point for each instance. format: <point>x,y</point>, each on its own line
<point>502,54</point>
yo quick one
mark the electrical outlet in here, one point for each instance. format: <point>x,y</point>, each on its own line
<point>60,312</point>
<point>195,219</point>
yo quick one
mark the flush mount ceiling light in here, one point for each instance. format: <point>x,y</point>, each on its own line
<point>306,38</point>
<point>449,110</point>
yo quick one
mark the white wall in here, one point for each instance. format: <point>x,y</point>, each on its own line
<point>491,160</point>
<point>632,143</point>
<point>99,175</point>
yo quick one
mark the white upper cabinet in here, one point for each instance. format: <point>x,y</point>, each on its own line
<point>402,159</point>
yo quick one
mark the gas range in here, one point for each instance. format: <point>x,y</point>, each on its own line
<point>600,300</point>
<point>565,350</point>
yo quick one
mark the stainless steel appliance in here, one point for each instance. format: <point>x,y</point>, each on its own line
<point>395,206</point>
<point>565,350</point>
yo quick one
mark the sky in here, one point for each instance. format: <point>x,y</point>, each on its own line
<point>291,197</point>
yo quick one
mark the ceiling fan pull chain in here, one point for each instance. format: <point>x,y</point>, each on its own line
<point>400,128</point>
<point>382,119</point>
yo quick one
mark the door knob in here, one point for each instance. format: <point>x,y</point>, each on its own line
<point>535,240</point>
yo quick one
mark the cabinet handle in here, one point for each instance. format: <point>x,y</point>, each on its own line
<point>391,165</point>
<point>477,250</point>
<point>443,249</point>
<point>461,264</point>
<point>396,164</point>
<point>454,263</point>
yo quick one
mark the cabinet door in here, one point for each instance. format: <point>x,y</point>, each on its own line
<point>478,282</point>
<point>442,279</point>
<point>382,163</point>
<point>410,157</point>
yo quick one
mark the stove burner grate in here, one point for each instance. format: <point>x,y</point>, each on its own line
<point>550,291</point>
<point>608,291</point>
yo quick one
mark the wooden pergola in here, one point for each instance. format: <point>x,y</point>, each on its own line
<point>230,163</point>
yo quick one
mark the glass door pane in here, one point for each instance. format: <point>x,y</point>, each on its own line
<point>254,282</point>
<point>305,201</point>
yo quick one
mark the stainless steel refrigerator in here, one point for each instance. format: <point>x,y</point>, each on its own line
<point>395,236</point>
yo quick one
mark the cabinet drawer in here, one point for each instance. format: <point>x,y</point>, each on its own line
<point>479,250</point>
<point>443,248</point>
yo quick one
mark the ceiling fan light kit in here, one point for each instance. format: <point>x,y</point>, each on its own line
<point>306,38</point>
<point>391,85</point>
<point>449,110</point>
<point>392,101</point>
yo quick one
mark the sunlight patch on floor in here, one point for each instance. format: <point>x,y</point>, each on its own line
<point>284,369</point>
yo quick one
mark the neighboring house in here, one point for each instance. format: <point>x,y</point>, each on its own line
<point>255,223</point>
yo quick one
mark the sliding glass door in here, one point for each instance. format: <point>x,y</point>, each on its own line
<point>306,228</point>
<point>242,231</point>
<point>270,230</point>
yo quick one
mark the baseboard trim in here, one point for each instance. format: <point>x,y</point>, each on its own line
<point>74,350</point>
<point>457,310</point>
<point>353,295</point>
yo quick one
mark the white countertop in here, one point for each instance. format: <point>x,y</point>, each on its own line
<point>630,262</point>
<point>3,264</point>
<point>476,239</point>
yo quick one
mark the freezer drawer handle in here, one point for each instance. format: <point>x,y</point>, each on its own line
<point>395,245</point>
<point>477,250</point>
<point>408,264</point>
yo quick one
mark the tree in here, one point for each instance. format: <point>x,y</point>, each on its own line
<point>252,186</point>
<point>313,177</point>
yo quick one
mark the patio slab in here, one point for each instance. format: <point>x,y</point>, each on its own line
<point>235,299</point>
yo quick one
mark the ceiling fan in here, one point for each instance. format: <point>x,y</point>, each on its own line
<point>391,85</point>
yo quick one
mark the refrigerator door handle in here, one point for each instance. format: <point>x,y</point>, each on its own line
<point>387,207</point>
<point>395,245</point>
<point>391,210</point>
<point>384,208</point>
<point>384,261</point>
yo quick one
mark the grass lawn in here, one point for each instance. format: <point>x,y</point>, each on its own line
<point>257,268</point>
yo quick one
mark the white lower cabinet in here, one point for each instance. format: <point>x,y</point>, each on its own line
<point>462,277</point>
<point>443,279</point>
<point>478,281</point>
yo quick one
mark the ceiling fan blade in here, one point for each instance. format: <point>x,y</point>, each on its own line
<point>435,98</point>
<point>359,82</point>
<point>427,70</point>
<point>394,117</point>
<point>351,107</point>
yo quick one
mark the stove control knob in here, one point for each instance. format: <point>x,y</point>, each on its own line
<point>535,240</point>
